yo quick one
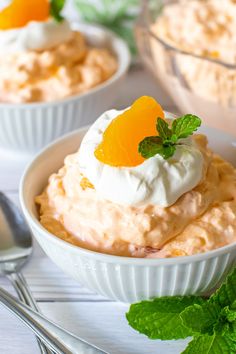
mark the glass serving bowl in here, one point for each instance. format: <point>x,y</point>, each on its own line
<point>198,85</point>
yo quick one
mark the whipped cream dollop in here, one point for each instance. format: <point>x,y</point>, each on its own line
<point>35,36</point>
<point>155,181</point>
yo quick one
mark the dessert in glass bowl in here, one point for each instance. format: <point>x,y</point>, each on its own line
<point>141,185</point>
<point>51,69</point>
<point>189,46</point>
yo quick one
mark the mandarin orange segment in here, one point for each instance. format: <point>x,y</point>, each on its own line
<point>119,146</point>
<point>20,12</point>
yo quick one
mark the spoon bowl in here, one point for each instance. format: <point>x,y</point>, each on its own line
<point>15,236</point>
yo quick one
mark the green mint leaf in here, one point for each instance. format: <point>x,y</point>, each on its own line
<point>230,331</point>
<point>165,143</point>
<point>153,145</point>
<point>201,318</point>
<point>160,318</point>
<point>233,305</point>
<point>168,151</point>
<point>150,146</point>
<point>228,314</point>
<point>226,329</point>
<point>184,126</point>
<point>174,138</point>
<point>215,344</point>
<point>226,294</point>
<point>221,327</point>
<point>56,7</point>
<point>231,316</point>
<point>163,129</point>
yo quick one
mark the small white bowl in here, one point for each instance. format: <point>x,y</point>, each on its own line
<point>29,127</point>
<point>122,278</point>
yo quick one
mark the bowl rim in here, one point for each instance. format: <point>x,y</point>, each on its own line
<point>144,23</point>
<point>107,258</point>
<point>124,59</point>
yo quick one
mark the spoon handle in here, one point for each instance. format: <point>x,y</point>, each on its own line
<point>25,295</point>
<point>53,336</point>
<point>22,289</point>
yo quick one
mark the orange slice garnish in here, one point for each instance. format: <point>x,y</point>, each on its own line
<point>20,12</point>
<point>119,146</point>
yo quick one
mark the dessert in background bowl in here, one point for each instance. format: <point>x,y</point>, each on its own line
<point>54,76</point>
<point>189,45</point>
<point>142,209</point>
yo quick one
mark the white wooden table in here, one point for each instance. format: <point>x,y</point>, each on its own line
<point>61,299</point>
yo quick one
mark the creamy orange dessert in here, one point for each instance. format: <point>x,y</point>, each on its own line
<point>44,59</point>
<point>205,29</point>
<point>142,185</point>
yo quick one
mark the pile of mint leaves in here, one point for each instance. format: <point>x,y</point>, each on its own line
<point>211,322</point>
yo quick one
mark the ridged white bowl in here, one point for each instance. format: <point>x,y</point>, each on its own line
<point>29,127</point>
<point>122,278</point>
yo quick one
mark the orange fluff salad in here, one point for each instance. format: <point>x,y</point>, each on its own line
<point>142,185</point>
<point>44,59</point>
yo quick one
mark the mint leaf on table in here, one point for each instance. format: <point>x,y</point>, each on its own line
<point>201,318</point>
<point>56,6</point>
<point>212,322</point>
<point>228,314</point>
<point>215,344</point>
<point>226,294</point>
<point>184,126</point>
<point>230,331</point>
<point>233,305</point>
<point>165,143</point>
<point>160,318</point>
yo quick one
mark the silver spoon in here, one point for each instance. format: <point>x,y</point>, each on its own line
<point>15,250</point>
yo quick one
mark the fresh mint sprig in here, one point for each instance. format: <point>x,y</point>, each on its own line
<point>211,323</point>
<point>118,16</point>
<point>165,143</point>
<point>56,7</point>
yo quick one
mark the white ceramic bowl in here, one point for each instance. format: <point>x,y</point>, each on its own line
<point>29,127</point>
<point>122,278</point>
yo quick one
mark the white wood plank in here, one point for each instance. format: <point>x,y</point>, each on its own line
<point>15,338</point>
<point>102,324</point>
